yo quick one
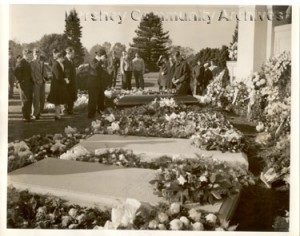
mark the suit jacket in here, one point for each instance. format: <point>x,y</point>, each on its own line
<point>70,73</point>
<point>182,73</point>
<point>113,64</point>
<point>38,71</point>
<point>58,94</point>
<point>97,75</point>
<point>198,74</point>
<point>208,76</point>
<point>125,65</point>
<point>23,71</point>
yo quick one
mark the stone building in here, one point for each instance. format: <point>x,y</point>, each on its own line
<point>263,31</point>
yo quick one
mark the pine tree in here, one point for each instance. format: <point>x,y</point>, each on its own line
<point>151,41</point>
<point>73,33</point>
<point>235,34</point>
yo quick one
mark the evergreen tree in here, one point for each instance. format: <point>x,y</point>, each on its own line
<point>235,34</point>
<point>73,33</point>
<point>151,41</point>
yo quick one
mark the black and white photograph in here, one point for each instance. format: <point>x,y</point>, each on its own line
<point>150,118</point>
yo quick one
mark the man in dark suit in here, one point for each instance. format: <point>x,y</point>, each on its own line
<point>113,68</point>
<point>96,83</point>
<point>24,77</point>
<point>70,73</point>
<point>198,77</point>
<point>181,78</point>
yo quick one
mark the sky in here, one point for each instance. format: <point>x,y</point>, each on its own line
<point>29,23</point>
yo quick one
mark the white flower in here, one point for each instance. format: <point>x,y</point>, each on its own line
<point>110,118</point>
<point>115,126</point>
<point>176,224</point>
<point>194,214</point>
<point>73,212</point>
<point>153,224</point>
<point>108,93</point>
<point>211,218</point>
<point>70,130</point>
<point>65,221</point>
<point>174,208</point>
<point>198,226</point>
<point>162,227</point>
<point>203,178</point>
<point>96,124</point>
<point>163,217</point>
<point>81,218</point>
<point>122,157</point>
<point>260,127</point>
<point>185,221</point>
<point>181,180</point>
<point>219,229</point>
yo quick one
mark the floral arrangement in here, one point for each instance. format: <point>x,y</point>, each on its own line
<point>164,118</point>
<point>200,181</point>
<point>232,49</point>
<point>37,147</point>
<point>33,211</point>
<point>218,93</point>
<point>79,105</point>
<point>133,215</point>
<point>269,105</point>
<point>115,94</point>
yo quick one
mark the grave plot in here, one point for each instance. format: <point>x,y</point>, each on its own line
<point>150,148</point>
<point>136,100</point>
<point>104,186</point>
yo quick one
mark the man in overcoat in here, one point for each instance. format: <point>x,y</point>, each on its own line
<point>96,83</point>
<point>198,78</point>
<point>24,77</point>
<point>181,77</point>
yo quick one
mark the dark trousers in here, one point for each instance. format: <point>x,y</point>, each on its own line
<point>139,79</point>
<point>114,75</point>
<point>127,78</point>
<point>38,98</point>
<point>96,101</point>
<point>11,87</point>
<point>69,107</point>
<point>26,94</point>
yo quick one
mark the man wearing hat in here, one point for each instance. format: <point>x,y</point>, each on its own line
<point>24,77</point>
<point>70,73</point>
<point>96,83</point>
<point>181,78</point>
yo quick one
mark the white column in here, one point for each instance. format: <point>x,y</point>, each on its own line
<point>270,34</point>
<point>252,40</point>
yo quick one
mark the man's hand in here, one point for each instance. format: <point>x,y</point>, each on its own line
<point>175,81</point>
<point>67,81</point>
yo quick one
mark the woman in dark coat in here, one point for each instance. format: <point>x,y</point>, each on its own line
<point>58,95</point>
<point>165,76</point>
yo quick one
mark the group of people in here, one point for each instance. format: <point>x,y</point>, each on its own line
<point>176,73</point>
<point>31,75</point>
<point>129,68</point>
